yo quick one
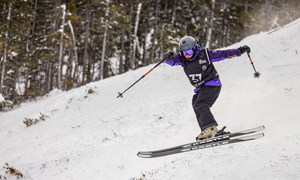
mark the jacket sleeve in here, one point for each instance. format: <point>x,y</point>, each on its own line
<point>176,61</point>
<point>219,55</point>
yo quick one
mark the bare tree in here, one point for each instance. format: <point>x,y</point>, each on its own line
<point>5,49</point>
<point>130,35</point>
<point>104,42</point>
<point>135,39</point>
<point>86,56</point>
<point>154,33</point>
<point>61,30</point>
<point>75,53</point>
<point>211,22</point>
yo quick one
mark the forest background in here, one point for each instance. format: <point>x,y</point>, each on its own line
<point>64,44</point>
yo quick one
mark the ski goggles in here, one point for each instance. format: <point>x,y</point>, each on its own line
<point>188,52</point>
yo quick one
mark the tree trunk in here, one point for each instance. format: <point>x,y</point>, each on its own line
<point>246,5</point>
<point>130,36</point>
<point>49,77</point>
<point>104,43</point>
<point>61,47</point>
<point>85,56</point>
<point>5,49</point>
<point>121,66</point>
<point>225,31</point>
<point>68,71</point>
<point>209,32</point>
<point>75,54</point>
<point>146,24</point>
<point>135,33</point>
<point>91,54</point>
<point>174,12</point>
<point>154,32</point>
<point>161,52</point>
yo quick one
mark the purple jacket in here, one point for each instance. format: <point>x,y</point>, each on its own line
<point>215,56</point>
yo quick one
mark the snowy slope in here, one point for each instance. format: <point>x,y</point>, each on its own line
<point>96,136</point>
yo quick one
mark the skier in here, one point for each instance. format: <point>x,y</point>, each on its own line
<point>198,67</point>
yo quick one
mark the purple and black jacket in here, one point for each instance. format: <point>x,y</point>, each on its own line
<point>199,69</point>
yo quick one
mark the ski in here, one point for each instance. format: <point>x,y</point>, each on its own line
<point>217,138</point>
<point>202,146</point>
<point>206,143</point>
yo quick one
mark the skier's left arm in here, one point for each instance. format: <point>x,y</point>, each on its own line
<point>219,55</point>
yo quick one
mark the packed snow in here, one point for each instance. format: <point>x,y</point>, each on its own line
<point>88,133</point>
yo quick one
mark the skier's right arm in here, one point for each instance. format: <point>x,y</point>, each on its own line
<point>171,59</point>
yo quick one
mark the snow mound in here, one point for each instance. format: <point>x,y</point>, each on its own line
<point>88,133</point>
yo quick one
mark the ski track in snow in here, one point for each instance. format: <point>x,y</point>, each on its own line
<point>96,136</point>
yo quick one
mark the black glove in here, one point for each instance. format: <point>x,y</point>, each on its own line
<point>244,49</point>
<point>169,55</point>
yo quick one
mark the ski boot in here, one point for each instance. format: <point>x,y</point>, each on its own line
<point>210,132</point>
<point>207,133</point>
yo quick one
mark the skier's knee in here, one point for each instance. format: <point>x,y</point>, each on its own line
<point>199,106</point>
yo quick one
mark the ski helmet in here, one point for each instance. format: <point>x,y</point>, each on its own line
<point>186,43</point>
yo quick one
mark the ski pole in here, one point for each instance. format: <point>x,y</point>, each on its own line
<point>121,94</point>
<point>256,73</point>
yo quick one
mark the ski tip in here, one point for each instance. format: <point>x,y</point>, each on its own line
<point>261,135</point>
<point>144,155</point>
<point>262,127</point>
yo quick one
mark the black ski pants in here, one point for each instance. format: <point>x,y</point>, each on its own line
<point>202,101</point>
